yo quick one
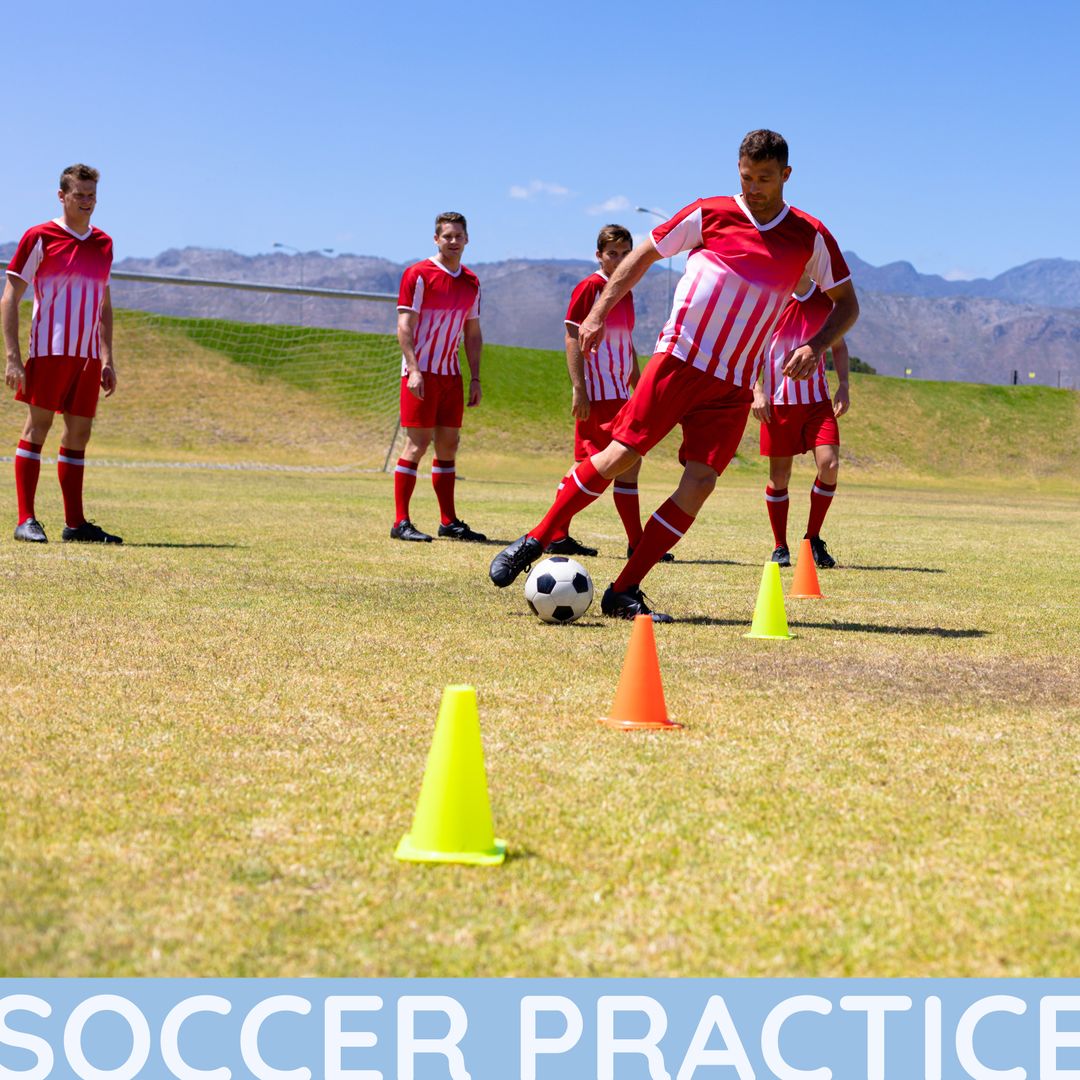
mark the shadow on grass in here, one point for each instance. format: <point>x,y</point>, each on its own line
<point>163,544</point>
<point>905,569</point>
<point>713,562</point>
<point>862,628</point>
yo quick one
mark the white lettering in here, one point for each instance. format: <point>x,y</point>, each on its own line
<point>932,1046</point>
<point>409,1044</point>
<point>716,1015</point>
<point>607,1046</point>
<point>965,1036</point>
<point>770,1036</point>
<point>22,1040</point>
<point>249,1037</point>
<point>531,1044</point>
<point>170,1036</point>
<point>1051,1039</point>
<point>875,1007</point>
<point>140,1037</point>
<point>337,1040</point>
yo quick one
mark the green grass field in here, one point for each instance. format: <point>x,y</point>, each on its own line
<point>215,735</point>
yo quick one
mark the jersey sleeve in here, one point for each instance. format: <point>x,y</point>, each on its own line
<point>474,311</point>
<point>27,257</point>
<point>827,265</point>
<point>581,301</point>
<point>411,292</point>
<point>683,232</point>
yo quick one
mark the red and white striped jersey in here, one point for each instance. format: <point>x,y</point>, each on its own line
<point>70,274</point>
<point>608,370</point>
<point>444,302</point>
<point>800,320</point>
<point>739,275</point>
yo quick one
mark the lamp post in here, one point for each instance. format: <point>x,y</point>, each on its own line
<point>663,217</point>
<point>300,255</point>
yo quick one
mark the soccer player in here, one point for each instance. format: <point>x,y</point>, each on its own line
<point>601,383</point>
<point>438,304</point>
<point>70,357</point>
<point>798,416</point>
<point>747,254</point>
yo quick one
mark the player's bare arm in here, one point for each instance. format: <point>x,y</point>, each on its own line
<point>841,361</point>
<point>575,365</point>
<point>803,362</point>
<point>406,331</point>
<point>15,372</point>
<point>108,364</point>
<point>761,407</point>
<point>628,273</point>
<point>474,346</point>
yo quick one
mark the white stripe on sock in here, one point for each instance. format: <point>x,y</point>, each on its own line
<point>594,494</point>
<point>817,491</point>
<point>27,454</point>
<point>620,490</point>
<point>776,498</point>
<point>441,469</point>
<point>407,472</point>
<point>668,525</point>
<point>70,460</point>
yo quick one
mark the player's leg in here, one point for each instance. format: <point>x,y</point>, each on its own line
<point>28,469</point>
<point>70,469</point>
<point>417,441</point>
<point>443,480</point>
<point>777,503</point>
<point>827,458</point>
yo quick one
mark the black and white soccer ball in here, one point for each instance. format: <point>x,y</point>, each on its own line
<point>559,590</point>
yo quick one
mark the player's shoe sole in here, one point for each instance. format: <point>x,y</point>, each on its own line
<point>458,530</point>
<point>31,531</point>
<point>88,533</point>
<point>822,559</point>
<point>513,559</point>
<point>406,530</point>
<point>781,555</point>
<point>628,605</point>
<point>569,546</point>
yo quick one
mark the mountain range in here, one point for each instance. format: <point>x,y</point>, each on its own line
<point>1026,319</point>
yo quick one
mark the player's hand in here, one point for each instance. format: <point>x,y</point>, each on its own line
<point>108,379</point>
<point>475,393</point>
<point>579,408</point>
<point>590,334</point>
<point>802,363</point>
<point>15,376</point>
<point>760,408</point>
<point>415,383</point>
<point>841,401</point>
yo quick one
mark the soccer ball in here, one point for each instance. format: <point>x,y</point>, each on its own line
<point>559,590</point>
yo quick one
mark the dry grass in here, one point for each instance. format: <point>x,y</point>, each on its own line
<point>214,738</point>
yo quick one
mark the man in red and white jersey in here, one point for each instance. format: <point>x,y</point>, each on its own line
<point>601,382</point>
<point>797,416</point>
<point>69,359</point>
<point>746,255</point>
<point>438,305</point>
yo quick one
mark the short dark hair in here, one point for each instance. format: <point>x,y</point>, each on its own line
<point>765,145</point>
<point>613,234</point>
<point>450,217</point>
<point>77,172</point>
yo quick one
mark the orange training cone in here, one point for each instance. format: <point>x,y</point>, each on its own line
<point>639,700</point>
<point>804,585</point>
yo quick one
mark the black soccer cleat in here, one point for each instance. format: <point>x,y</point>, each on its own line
<point>406,530</point>
<point>88,533</point>
<point>569,546</point>
<point>629,604</point>
<point>781,555</point>
<point>32,531</point>
<point>510,562</point>
<point>822,559</point>
<point>668,556</point>
<point>458,530</point>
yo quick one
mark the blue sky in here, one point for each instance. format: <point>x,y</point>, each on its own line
<point>942,133</point>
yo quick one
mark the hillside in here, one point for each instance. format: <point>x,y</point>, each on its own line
<point>215,391</point>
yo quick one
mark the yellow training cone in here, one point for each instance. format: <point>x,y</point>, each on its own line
<point>770,620</point>
<point>453,816</point>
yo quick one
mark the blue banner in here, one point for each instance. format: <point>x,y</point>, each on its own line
<point>541,1029</point>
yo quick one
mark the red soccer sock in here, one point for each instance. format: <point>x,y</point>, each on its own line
<point>777,503</point>
<point>821,497</point>
<point>70,468</point>
<point>629,508</point>
<point>584,486</point>
<point>560,534</point>
<point>27,470</point>
<point>443,475</point>
<point>662,532</point>
<point>404,482</point>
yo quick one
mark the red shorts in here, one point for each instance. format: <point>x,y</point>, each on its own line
<point>443,404</point>
<point>63,384</point>
<point>593,435</point>
<point>794,429</point>
<point>712,412</point>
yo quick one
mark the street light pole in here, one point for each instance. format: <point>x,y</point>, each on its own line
<point>300,255</point>
<point>663,217</point>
